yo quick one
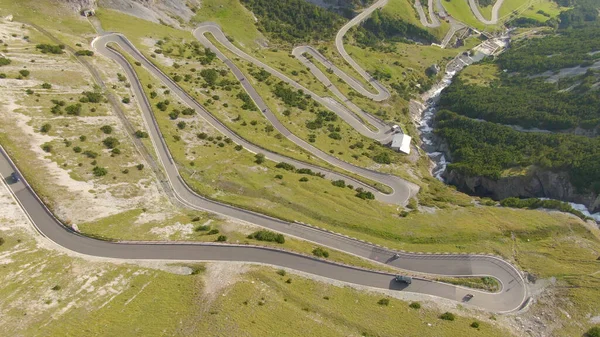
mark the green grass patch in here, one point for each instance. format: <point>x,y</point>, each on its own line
<point>482,283</point>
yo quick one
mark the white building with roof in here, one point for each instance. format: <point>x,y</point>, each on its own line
<point>401,142</point>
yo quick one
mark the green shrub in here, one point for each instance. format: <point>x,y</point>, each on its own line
<point>285,166</point>
<point>107,129</point>
<point>383,301</point>
<point>448,316</point>
<point>260,158</point>
<point>213,231</point>
<point>303,179</point>
<point>339,183</point>
<point>4,61</point>
<point>77,149</point>
<point>265,235</point>
<point>202,228</point>
<point>45,128</point>
<point>281,272</point>
<point>593,332</point>
<point>24,72</point>
<point>238,147</point>
<point>320,252</point>
<point>415,305</point>
<point>56,287</point>
<point>90,154</point>
<point>46,86</point>
<point>382,158</point>
<point>126,100</point>
<point>99,171</point>
<point>221,238</point>
<point>111,142</point>
<point>141,134</point>
<point>140,166</point>
<point>360,193</point>
<point>476,325</point>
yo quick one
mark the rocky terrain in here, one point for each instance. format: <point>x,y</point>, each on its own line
<point>537,183</point>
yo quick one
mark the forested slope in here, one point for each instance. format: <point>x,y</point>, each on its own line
<point>492,157</point>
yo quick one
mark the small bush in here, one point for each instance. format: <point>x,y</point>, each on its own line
<point>281,272</point>
<point>448,316</point>
<point>320,252</point>
<point>339,183</point>
<point>415,305</point>
<point>141,134</point>
<point>221,238</point>
<point>383,301</point>
<point>593,332</point>
<point>303,179</point>
<point>202,135</point>
<point>285,166</point>
<point>77,149</point>
<point>181,125</point>
<point>99,171</point>
<point>107,129</point>
<point>111,142</point>
<point>90,154</point>
<point>140,166</point>
<point>1,241</point>
<point>279,176</point>
<point>238,148</point>
<point>213,231</point>
<point>265,235</point>
<point>47,148</point>
<point>45,128</point>
<point>24,72</point>
<point>202,228</point>
<point>288,281</point>
<point>82,138</point>
<point>46,86</point>
<point>126,100</point>
<point>260,158</point>
<point>476,326</point>
<point>56,287</point>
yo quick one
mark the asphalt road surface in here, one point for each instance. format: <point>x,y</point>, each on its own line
<point>511,297</point>
<point>479,16</point>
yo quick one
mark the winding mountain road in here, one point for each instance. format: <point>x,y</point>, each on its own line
<point>435,22</point>
<point>511,297</point>
<point>495,10</point>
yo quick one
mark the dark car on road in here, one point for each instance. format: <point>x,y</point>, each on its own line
<point>403,279</point>
<point>15,177</point>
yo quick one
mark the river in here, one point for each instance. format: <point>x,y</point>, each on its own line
<point>425,118</point>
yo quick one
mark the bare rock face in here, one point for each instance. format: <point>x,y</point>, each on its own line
<point>170,12</point>
<point>79,5</point>
<point>537,184</point>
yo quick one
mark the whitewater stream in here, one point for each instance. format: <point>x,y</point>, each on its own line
<point>426,115</point>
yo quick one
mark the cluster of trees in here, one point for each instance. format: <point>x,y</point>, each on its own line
<point>291,97</point>
<point>583,12</point>
<point>50,49</point>
<point>481,148</point>
<point>568,48</point>
<point>294,20</point>
<point>323,116</point>
<point>528,102</point>
<point>381,26</point>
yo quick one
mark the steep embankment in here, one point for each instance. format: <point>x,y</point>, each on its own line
<point>537,183</point>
